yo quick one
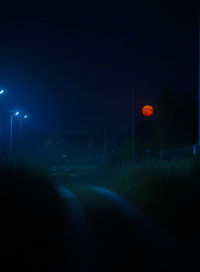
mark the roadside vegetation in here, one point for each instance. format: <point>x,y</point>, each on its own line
<point>167,190</point>
<point>31,219</point>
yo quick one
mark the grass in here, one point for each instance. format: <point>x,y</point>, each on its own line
<point>82,171</point>
<point>74,171</point>
<point>167,190</point>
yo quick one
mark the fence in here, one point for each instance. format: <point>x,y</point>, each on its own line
<point>174,152</point>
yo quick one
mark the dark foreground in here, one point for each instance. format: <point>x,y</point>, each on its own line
<point>74,229</point>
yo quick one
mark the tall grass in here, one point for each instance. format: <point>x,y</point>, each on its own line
<point>168,190</point>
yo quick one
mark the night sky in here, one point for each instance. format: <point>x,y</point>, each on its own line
<point>62,64</point>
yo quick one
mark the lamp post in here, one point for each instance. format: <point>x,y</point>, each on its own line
<point>3,93</point>
<point>12,115</point>
<point>22,119</point>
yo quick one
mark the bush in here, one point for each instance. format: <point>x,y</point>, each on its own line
<point>168,190</point>
<point>30,220</point>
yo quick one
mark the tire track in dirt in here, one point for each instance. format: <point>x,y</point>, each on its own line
<point>79,243</point>
<point>158,243</point>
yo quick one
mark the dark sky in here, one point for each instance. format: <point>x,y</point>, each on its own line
<point>63,63</point>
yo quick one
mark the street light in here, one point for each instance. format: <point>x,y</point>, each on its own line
<point>22,120</point>
<point>12,115</point>
<point>3,106</point>
<point>3,92</point>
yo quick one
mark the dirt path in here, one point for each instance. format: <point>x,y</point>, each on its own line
<point>159,244</point>
<point>106,233</point>
<point>80,249</point>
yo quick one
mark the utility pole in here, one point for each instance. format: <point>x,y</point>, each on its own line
<point>133,121</point>
<point>105,131</point>
<point>96,142</point>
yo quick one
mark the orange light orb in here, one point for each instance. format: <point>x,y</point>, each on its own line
<point>147,110</point>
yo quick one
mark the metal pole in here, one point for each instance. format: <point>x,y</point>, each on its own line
<point>133,122</point>
<point>11,127</point>
<point>21,130</point>
<point>105,132</point>
<point>4,133</point>
<point>96,143</point>
<point>3,116</point>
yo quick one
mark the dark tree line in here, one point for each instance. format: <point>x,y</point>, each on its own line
<point>174,124</point>
<point>176,120</point>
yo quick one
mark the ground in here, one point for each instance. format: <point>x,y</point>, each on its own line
<point>107,233</point>
<point>74,223</point>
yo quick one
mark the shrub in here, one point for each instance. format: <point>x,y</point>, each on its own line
<point>30,220</point>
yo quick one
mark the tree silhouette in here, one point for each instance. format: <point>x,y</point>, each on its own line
<point>176,120</point>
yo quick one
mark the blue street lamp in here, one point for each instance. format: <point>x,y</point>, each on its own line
<point>12,115</point>
<point>3,92</point>
<point>22,120</point>
<point>3,104</point>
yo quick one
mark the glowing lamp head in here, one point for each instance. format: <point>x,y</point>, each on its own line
<point>17,113</point>
<point>2,91</point>
<point>25,116</point>
<point>147,110</point>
